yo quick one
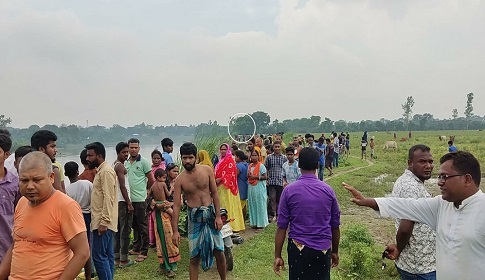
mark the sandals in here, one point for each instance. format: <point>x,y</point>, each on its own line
<point>127,264</point>
<point>141,258</point>
<point>134,253</point>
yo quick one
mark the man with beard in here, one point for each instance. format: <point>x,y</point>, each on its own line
<point>198,184</point>
<point>455,215</point>
<point>45,141</point>
<point>49,233</point>
<point>125,208</point>
<point>104,211</point>
<point>140,179</point>
<point>414,251</point>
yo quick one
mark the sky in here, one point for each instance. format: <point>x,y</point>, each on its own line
<point>164,62</point>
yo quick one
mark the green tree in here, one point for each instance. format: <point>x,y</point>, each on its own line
<point>262,120</point>
<point>469,108</point>
<point>4,121</point>
<point>408,110</point>
<point>454,114</point>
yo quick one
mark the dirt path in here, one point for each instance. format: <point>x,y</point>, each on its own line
<point>249,232</point>
<point>370,163</point>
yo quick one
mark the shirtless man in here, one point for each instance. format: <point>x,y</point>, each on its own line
<point>204,218</point>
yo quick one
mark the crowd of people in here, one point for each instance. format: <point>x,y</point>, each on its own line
<point>50,230</point>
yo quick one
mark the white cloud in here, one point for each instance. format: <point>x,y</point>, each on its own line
<point>343,59</point>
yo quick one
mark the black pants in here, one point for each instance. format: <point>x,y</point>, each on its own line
<point>274,194</point>
<point>122,237</point>
<point>308,263</point>
<point>140,228</point>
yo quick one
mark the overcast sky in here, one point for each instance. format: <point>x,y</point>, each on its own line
<point>163,62</point>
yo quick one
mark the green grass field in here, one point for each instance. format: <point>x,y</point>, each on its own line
<point>254,259</point>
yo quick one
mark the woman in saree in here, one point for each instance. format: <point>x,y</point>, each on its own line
<point>204,158</point>
<point>257,197</point>
<point>226,180</point>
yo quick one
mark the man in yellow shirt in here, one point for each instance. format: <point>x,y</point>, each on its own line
<point>104,211</point>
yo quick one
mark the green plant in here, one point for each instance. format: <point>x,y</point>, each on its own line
<point>358,254</point>
<point>356,233</point>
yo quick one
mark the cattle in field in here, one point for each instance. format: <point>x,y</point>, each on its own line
<point>403,139</point>
<point>452,138</point>
<point>390,145</point>
<point>442,137</point>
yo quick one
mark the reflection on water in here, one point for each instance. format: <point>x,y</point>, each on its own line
<point>72,154</point>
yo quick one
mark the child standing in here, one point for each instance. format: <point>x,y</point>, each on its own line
<point>168,254</point>
<point>372,145</point>
<point>80,191</point>
<point>363,143</point>
<point>157,163</point>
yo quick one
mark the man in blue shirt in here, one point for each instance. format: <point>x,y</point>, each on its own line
<point>451,147</point>
<point>320,146</point>
<point>167,146</point>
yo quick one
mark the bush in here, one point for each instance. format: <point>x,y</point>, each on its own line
<point>359,256</point>
<point>356,233</point>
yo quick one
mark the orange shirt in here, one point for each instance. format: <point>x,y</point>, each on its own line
<point>41,234</point>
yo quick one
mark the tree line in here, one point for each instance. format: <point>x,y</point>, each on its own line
<point>74,134</point>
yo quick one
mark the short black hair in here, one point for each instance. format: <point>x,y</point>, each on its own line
<point>5,131</point>
<point>240,154</point>
<point>188,149</point>
<point>464,163</point>
<point>308,159</point>
<point>83,156</point>
<point>98,149</point>
<point>5,142</point>
<point>23,151</point>
<point>159,173</point>
<point>120,146</point>
<point>290,149</point>
<point>310,136</point>
<point>42,138</point>
<point>450,142</point>
<point>321,139</point>
<point>417,147</point>
<point>133,140</point>
<point>166,142</point>
<point>71,169</point>
<point>157,152</point>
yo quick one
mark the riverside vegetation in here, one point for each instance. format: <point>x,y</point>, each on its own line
<point>363,234</point>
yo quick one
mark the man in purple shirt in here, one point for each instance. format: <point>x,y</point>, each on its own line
<point>309,207</point>
<point>9,196</point>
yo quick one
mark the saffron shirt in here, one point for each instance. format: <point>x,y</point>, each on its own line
<point>41,236</point>
<point>460,232</point>
<point>9,196</point>
<point>310,208</point>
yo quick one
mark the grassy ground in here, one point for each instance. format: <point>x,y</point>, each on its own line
<point>254,259</point>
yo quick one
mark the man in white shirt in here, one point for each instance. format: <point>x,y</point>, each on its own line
<point>80,191</point>
<point>415,248</point>
<point>455,215</point>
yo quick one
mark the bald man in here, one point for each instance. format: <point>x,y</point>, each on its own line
<point>50,240</point>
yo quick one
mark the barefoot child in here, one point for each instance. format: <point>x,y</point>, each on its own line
<point>168,254</point>
<point>157,163</point>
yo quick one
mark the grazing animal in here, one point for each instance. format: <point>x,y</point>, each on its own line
<point>404,139</point>
<point>442,137</point>
<point>452,138</point>
<point>390,145</point>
